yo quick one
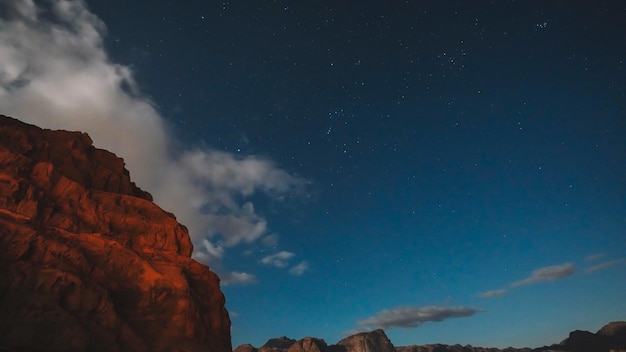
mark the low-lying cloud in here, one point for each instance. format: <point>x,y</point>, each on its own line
<point>55,73</point>
<point>410,317</point>
<point>548,273</point>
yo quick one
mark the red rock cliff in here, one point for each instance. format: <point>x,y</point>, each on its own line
<point>88,261</point>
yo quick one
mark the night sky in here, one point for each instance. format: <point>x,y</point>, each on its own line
<point>450,171</point>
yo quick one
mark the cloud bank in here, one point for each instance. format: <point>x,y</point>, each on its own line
<point>548,273</point>
<point>410,317</point>
<point>55,73</point>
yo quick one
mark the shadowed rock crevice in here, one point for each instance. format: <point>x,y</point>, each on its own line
<point>88,261</point>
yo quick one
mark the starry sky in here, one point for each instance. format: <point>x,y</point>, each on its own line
<point>450,171</point>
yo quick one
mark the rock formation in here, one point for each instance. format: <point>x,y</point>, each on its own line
<point>280,344</point>
<point>457,348</point>
<point>374,341</point>
<point>246,347</point>
<point>309,344</point>
<point>88,261</point>
<point>610,338</point>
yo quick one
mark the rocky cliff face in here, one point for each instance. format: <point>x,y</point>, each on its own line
<point>374,341</point>
<point>611,337</point>
<point>88,261</point>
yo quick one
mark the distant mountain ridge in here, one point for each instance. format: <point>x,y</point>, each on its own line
<point>610,338</point>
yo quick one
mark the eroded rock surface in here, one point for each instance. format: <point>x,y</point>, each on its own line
<point>88,261</point>
<point>374,341</point>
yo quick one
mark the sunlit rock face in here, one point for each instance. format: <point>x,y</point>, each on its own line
<point>615,333</point>
<point>88,261</point>
<point>309,344</point>
<point>245,348</point>
<point>279,344</point>
<point>285,344</point>
<point>375,341</point>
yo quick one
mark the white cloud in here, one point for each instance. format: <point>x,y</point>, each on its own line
<point>212,250</point>
<point>548,273</point>
<point>237,278</point>
<point>494,293</point>
<point>55,73</point>
<point>355,331</point>
<point>270,240</point>
<point>605,265</point>
<point>300,268</point>
<point>409,317</point>
<point>279,260</point>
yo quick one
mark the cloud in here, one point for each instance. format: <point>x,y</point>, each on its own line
<point>605,265</point>
<point>355,331</point>
<point>270,240</point>
<point>494,293</point>
<point>55,73</point>
<point>279,260</point>
<point>211,250</point>
<point>548,273</point>
<point>594,257</point>
<point>410,317</point>
<point>300,268</point>
<point>237,278</point>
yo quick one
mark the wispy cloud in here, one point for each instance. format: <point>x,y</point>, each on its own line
<point>605,265</point>
<point>409,317</point>
<point>300,268</point>
<point>279,260</point>
<point>238,278</point>
<point>548,273</point>
<point>55,73</point>
<point>494,293</point>
<point>594,257</point>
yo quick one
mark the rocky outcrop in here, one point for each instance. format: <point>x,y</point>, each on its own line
<point>374,341</point>
<point>285,344</point>
<point>615,333</point>
<point>457,348</point>
<point>610,338</point>
<point>88,261</point>
<point>245,348</point>
<point>280,344</point>
<point>309,344</point>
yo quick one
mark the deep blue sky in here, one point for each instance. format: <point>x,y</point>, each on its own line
<point>450,148</point>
